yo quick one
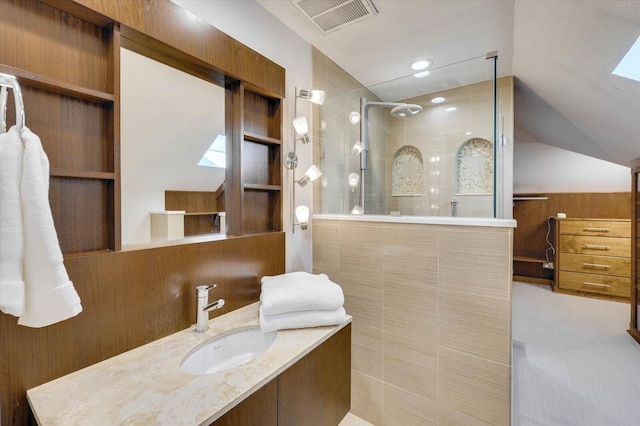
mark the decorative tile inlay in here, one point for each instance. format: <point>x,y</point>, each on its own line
<point>474,169</point>
<point>406,173</point>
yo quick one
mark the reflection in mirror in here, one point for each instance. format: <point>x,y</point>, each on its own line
<point>172,139</point>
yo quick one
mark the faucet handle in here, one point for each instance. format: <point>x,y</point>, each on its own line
<point>205,288</point>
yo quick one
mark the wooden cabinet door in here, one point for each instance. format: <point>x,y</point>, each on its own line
<point>259,409</point>
<point>316,390</point>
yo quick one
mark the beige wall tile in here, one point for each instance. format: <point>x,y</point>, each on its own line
<point>430,314</point>
<point>475,261</point>
<point>411,358</point>
<point>366,397</point>
<point>366,349</point>
<point>325,240</point>
<point>472,390</point>
<point>410,258</point>
<point>407,409</point>
<point>476,325</point>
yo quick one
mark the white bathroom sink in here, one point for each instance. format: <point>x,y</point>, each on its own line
<point>228,351</point>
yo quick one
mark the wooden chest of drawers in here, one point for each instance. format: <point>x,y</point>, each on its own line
<point>593,257</point>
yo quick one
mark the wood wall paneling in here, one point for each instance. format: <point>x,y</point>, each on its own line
<point>167,24</point>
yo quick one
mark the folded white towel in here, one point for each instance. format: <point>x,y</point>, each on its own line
<point>301,319</point>
<point>11,240</point>
<point>299,291</point>
<point>50,296</point>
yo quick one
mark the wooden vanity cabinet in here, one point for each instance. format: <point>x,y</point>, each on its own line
<point>593,257</point>
<point>259,409</point>
<point>315,391</point>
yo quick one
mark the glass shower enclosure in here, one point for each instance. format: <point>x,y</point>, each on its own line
<point>419,146</point>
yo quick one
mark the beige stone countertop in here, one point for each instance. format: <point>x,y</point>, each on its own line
<point>146,385</point>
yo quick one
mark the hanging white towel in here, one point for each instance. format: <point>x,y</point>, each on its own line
<point>302,319</point>
<point>299,291</point>
<point>50,296</point>
<point>11,283</point>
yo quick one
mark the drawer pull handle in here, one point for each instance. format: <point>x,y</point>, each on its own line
<point>596,284</point>
<point>596,229</point>
<point>596,247</point>
<point>596,265</point>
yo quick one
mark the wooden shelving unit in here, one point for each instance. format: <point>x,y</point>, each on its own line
<point>261,163</point>
<point>70,93</point>
<point>201,210</point>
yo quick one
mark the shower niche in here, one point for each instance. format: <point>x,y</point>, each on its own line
<point>474,167</point>
<point>407,172</point>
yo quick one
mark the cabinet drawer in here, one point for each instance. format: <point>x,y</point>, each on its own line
<point>602,228</point>
<point>601,284</point>
<point>599,246</point>
<point>601,265</point>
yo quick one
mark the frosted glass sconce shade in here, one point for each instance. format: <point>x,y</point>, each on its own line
<point>353,180</point>
<point>302,128</point>
<point>357,148</point>
<point>302,216</point>
<point>310,175</point>
<point>315,96</point>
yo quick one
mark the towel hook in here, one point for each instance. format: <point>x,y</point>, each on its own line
<point>9,81</point>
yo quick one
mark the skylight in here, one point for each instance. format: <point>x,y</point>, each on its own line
<point>629,66</point>
<point>215,156</point>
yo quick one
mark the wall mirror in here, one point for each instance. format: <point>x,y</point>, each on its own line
<point>172,139</point>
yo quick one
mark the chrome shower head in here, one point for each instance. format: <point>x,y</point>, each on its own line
<point>406,110</point>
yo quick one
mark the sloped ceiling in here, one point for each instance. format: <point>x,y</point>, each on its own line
<point>562,53</point>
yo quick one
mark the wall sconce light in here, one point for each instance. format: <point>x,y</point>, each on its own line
<point>300,214</point>
<point>354,117</point>
<point>302,128</point>
<point>357,210</point>
<point>310,175</point>
<point>353,180</point>
<point>315,96</point>
<point>357,148</point>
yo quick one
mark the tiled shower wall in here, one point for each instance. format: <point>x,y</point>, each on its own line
<point>431,319</point>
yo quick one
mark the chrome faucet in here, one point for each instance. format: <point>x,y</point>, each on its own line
<point>454,208</point>
<point>203,306</point>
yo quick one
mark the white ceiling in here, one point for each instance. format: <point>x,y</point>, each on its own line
<point>562,53</point>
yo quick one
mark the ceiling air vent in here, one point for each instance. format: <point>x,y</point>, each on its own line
<point>331,15</point>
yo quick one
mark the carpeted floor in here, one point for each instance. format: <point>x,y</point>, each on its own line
<point>573,361</point>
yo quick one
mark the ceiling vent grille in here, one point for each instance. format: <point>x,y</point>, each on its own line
<point>331,15</point>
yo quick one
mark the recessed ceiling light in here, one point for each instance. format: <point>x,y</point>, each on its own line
<point>420,65</point>
<point>422,74</point>
<point>451,109</point>
<point>438,100</point>
<point>468,133</point>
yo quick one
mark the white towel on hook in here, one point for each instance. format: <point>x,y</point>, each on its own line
<point>11,239</point>
<point>50,295</point>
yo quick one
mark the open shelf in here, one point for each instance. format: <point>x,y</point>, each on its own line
<point>56,86</point>
<point>259,187</point>
<point>261,139</point>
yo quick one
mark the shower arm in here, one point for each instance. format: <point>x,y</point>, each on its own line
<point>364,137</point>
